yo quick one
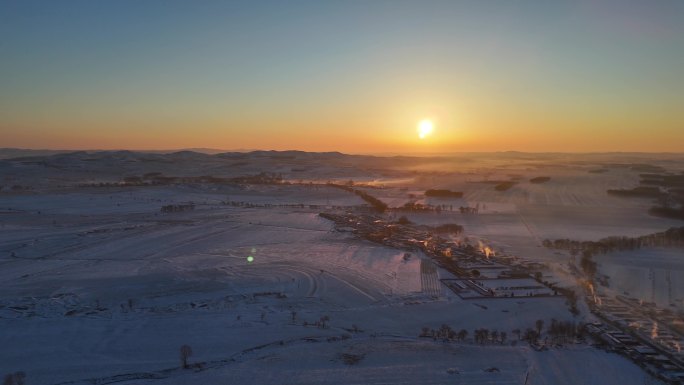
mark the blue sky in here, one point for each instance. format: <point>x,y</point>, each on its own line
<point>295,74</point>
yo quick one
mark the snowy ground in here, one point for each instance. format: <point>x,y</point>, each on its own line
<point>651,274</point>
<point>98,284</point>
<point>400,361</point>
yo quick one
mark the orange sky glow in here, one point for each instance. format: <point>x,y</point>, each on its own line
<point>354,77</point>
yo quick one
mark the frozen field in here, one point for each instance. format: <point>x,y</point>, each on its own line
<point>652,275</point>
<point>402,361</point>
<point>101,287</point>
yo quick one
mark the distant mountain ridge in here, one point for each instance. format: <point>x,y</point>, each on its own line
<point>11,152</point>
<point>6,153</point>
<point>208,154</point>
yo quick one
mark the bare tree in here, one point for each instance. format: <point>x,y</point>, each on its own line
<point>495,336</point>
<point>185,352</point>
<point>481,335</point>
<point>444,332</point>
<point>462,334</point>
<point>323,321</point>
<point>531,336</point>
<point>539,324</point>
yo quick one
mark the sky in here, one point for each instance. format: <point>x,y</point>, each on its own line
<point>350,76</point>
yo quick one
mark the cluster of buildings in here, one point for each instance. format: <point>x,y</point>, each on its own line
<point>641,332</point>
<point>472,267</point>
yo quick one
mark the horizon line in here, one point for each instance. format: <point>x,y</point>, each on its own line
<point>213,151</point>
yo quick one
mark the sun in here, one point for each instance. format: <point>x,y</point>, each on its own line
<point>425,128</point>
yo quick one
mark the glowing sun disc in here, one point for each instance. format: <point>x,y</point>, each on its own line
<point>425,128</point>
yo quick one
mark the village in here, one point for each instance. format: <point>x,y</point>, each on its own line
<point>478,272</point>
<point>648,336</point>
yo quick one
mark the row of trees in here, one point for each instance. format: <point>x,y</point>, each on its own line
<point>419,207</point>
<point>16,187</point>
<point>640,192</point>
<point>321,323</point>
<point>674,236</point>
<point>564,331</point>
<point>503,186</point>
<point>445,333</point>
<point>588,265</point>
<point>156,179</point>
<point>177,208</point>
<point>376,203</point>
<point>662,180</point>
<point>251,205</point>
<point>667,212</point>
<point>557,332</point>
<point>447,228</point>
<point>443,193</point>
<point>484,336</point>
<point>540,179</point>
<point>671,237</point>
<point>481,336</point>
<point>413,206</point>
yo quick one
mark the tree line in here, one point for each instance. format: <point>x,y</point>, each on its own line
<point>443,193</point>
<point>673,236</point>
<point>557,332</point>
<point>177,208</point>
<point>419,207</point>
<point>376,203</point>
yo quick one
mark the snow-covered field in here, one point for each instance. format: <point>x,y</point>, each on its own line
<point>401,361</point>
<point>99,285</point>
<point>652,274</point>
